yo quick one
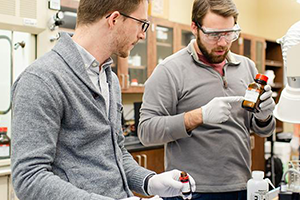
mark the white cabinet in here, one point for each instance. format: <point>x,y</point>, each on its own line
<point>4,187</point>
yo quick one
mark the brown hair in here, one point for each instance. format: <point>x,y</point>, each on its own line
<point>225,8</point>
<point>90,11</point>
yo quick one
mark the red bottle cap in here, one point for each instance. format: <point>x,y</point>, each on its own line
<point>3,129</point>
<point>261,77</point>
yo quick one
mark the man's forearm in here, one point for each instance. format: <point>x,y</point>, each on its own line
<point>193,119</point>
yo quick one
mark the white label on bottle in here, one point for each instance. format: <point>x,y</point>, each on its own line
<point>251,95</point>
<point>186,187</point>
<point>4,150</point>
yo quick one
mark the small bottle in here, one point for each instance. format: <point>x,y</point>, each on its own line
<point>4,143</point>
<point>186,190</point>
<point>253,93</point>
<point>257,187</point>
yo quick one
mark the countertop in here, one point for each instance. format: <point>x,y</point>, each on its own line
<point>132,144</point>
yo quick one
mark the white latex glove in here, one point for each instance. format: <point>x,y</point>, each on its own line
<point>266,105</point>
<point>218,109</point>
<point>167,184</point>
<point>156,197</point>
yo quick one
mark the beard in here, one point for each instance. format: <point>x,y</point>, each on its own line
<point>210,57</point>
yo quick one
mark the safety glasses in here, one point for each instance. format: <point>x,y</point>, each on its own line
<point>213,36</point>
<point>145,24</point>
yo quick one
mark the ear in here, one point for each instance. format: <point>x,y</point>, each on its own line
<point>113,18</point>
<point>194,28</point>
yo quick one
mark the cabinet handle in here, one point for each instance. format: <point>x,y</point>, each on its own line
<point>145,160</point>
<point>139,157</point>
<point>127,79</point>
<point>123,80</point>
<point>252,142</point>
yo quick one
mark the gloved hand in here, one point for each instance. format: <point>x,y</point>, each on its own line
<point>218,109</point>
<point>156,197</point>
<point>266,105</point>
<point>167,184</point>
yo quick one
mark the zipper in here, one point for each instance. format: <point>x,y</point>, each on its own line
<point>223,78</point>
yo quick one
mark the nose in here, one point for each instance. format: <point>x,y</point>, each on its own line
<point>142,35</point>
<point>222,41</point>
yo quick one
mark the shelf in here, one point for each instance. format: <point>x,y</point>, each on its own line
<point>273,63</point>
<point>142,42</point>
<point>136,67</point>
<point>279,129</point>
<point>277,86</point>
<point>164,44</point>
<point>134,89</point>
<point>4,162</point>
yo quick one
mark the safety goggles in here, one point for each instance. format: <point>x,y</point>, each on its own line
<point>145,24</point>
<point>213,36</point>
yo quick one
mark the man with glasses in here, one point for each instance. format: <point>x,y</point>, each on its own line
<point>67,140</point>
<point>192,104</point>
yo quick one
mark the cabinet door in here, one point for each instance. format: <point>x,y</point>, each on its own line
<point>257,153</point>
<point>183,36</point>
<point>144,57</point>
<point>151,159</point>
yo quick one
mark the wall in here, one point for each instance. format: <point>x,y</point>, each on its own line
<point>276,17</point>
<point>266,18</point>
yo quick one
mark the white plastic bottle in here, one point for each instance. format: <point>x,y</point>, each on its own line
<point>257,187</point>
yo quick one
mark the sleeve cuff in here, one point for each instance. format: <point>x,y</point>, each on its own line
<point>146,181</point>
<point>263,123</point>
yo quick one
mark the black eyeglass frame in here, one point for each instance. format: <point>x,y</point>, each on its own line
<point>145,23</point>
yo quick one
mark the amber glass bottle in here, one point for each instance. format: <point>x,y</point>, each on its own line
<point>253,93</point>
<point>186,190</point>
<point>4,144</point>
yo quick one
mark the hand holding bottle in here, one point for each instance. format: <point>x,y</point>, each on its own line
<point>167,184</point>
<point>267,104</point>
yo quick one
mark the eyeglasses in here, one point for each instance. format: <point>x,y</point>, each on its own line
<point>214,36</point>
<point>145,24</point>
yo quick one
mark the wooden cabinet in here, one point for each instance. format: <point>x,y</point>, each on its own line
<point>183,36</point>
<point>143,58</point>
<point>267,56</point>
<point>152,159</point>
<point>274,62</point>
<point>253,48</point>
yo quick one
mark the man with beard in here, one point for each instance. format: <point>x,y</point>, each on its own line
<point>67,140</point>
<point>192,104</point>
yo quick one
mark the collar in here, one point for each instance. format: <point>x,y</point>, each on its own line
<point>89,60</point>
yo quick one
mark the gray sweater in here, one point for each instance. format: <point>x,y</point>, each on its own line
<point>216,155</point>
<point>64,146</point>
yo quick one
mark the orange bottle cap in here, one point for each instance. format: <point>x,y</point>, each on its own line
<point>261,77</point>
